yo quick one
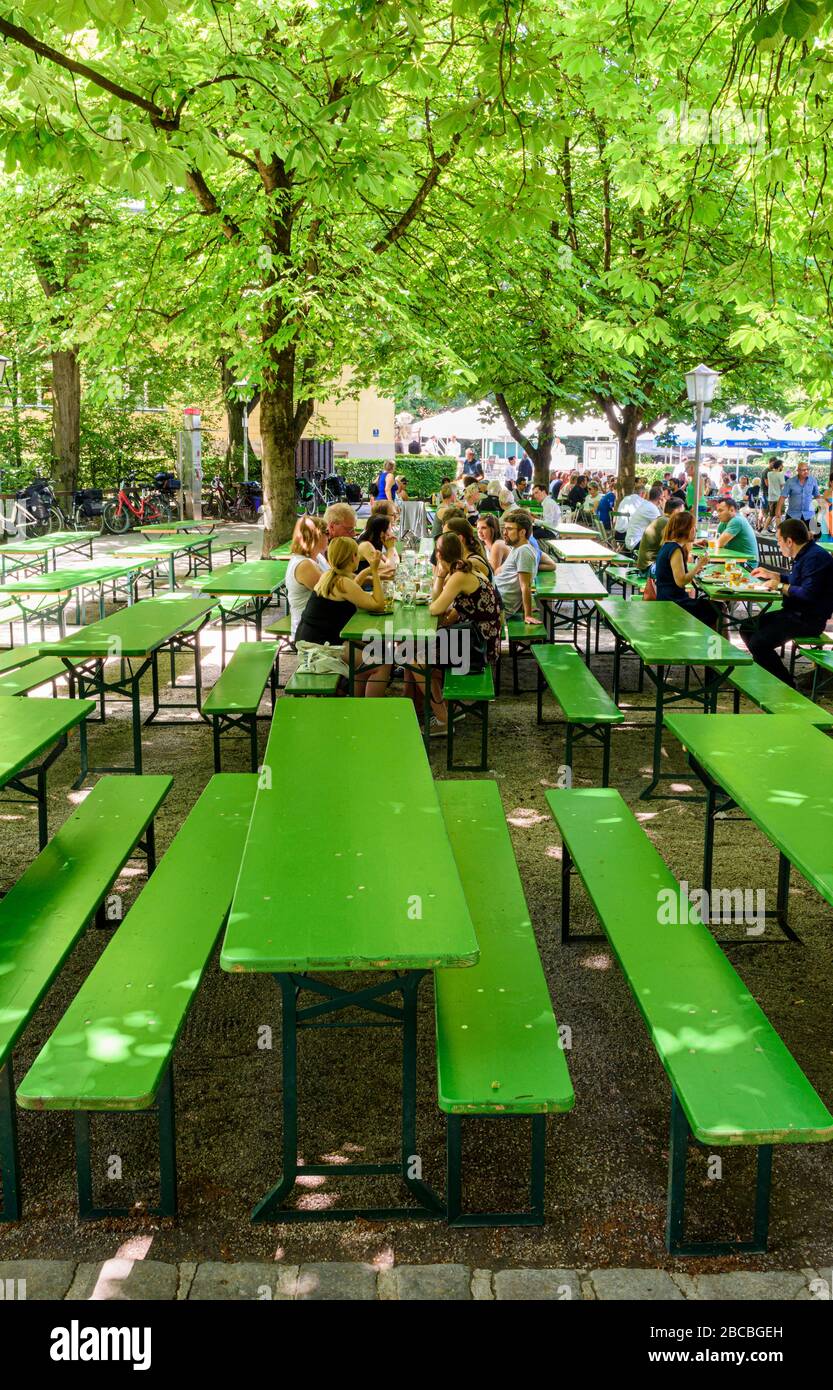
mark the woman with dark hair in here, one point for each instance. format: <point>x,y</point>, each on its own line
<point>473,548</point>
<point>377,536</point>
<point>460,595</point>
<point>672,575</point>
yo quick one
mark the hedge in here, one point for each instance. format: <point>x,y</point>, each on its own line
<point>423,471</point>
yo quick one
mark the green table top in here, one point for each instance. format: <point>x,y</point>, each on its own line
<point>757,593</point>
<point>282,551</point>
<point>28,727</point>
<point>572,530</point>
<point>569,581</point>
<point>402,621</point>
<point>168,545</point>
<point>316,893</point>
<point>664,634</point>
<point>778,768</point>
<point>251,577</point>
<point>42,544</point>
<point>161,528</point>
<point>133,631</point>
<point>589,550</point>
<point>826,545</point>
<point>59,581</point>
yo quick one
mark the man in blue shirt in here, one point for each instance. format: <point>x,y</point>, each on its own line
<point>807,593</point>
<point>799,494</point>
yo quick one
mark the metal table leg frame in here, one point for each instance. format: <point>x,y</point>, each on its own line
<point>480,709</point>
<point>675,1241</point>
<point>9,1182</point>
<point>128,688</point>
<point>188,642</point>
<point>533,1216</point>
<point>320,1015</point>
<point>38,791</point>
<point>164,1108</point>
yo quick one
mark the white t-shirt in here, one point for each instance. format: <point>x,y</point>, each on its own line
<point>298,594</point>
<point>640,519</point>
<point>626,506</point>
<point>774,480</point>
<point>551,511</point>
<point>510,473</point>
<point>520,560</point>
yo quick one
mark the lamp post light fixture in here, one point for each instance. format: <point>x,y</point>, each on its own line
<point>5,362</point>
<point>700,385</point>
<point>247,387</point>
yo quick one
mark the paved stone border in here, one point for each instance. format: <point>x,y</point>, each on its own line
<point>209,1281</point>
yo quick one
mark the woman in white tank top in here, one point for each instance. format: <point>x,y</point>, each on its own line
<point>307,562</point>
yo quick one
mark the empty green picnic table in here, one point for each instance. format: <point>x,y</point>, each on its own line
<point>574,584</point>
<point>778,770</point>
<point>176,528</point>
<point>316,896</point>
<point>582,551</point>
<point>35,553</point>
<point>63,583</point>
<point>134,636</point>
<point>258,580</point>
<point>409,632</point>
<point>572,530</point>
<point>663,635</point>
<point>29,728</point>
<point>197,550</point>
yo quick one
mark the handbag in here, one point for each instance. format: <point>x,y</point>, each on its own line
<point>477,648</point>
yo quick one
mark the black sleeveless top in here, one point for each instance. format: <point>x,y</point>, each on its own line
<point>323,619</point>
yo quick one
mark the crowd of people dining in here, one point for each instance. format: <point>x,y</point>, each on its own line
<point>486,556</point>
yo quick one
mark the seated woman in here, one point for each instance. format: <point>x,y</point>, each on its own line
<point>378,536</point>
<point>307,563</point>
<point>489,533</point>
<point>331,604</point>
<point>473,548</point>
<point>402,493</point>
<point>491,502</point>
<point>671,572</point>
<point>460,595</point>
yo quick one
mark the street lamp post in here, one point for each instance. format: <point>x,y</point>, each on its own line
<point>5,362</point>
<point>240,385</point>
<point>700,385</point>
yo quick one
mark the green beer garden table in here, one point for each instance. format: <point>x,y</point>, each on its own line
<point>196,549</point>
<point>134,636</point>
<point>35,553</point>
<point>315,895</point>
<point>571,530</point>
<point>63,583</point>
<point>582,551</point>
<point>176,528</point>
<point>258,580</point>
<point>663,635</point>
<point>574,584</point>
<point>410,624</point>
<point>778,770</point>
<point>27,729</point>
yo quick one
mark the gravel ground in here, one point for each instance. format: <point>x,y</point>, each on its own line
<point>606,1161</point>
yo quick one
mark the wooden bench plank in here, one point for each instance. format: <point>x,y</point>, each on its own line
<point>776,697</point>
<point>45,912</point>
<point>240,688</point>
<point>113,1044</point>
<point>575,688</point>
<point>735,1078</point>
<point>313,683</point>
<point>32,675</point>
<point>477,685</point>
<point>497,1039</point>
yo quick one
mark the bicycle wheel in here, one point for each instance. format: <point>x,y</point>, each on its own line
<point>38,524</point>
<point>116,521</point>
<point>57,520</point>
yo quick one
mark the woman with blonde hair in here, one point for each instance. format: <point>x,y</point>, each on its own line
<point>307,563</point>
<point>331,604</point>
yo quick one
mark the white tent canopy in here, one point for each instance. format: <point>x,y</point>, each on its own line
<point>770,432</point>
<point>466,423</point>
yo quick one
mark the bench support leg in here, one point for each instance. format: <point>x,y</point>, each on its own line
<point>215,738</point>
<point>164,1107</point>
<point>675,1241</point>
<point>9,1187</point>
<point>533,1216</point>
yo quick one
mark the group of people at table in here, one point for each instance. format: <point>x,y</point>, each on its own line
<point>487,555</point>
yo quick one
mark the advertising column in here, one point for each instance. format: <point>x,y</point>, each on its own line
<point>190,454</point>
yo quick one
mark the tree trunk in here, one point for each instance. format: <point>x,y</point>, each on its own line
<point>542,456</point>
<point>277,434</point>
<point>627,463</point>
<point>66,421</point>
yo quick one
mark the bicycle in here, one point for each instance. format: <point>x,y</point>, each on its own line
<point>40,516</point>
<point>216,501</point>
<point>318,492</point>
<point>120,514</point>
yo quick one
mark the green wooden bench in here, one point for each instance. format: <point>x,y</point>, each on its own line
<point>320,683</point>
<point>282,632</point>
<point>469,695</point>
<point>588,709</point>
<point>34,674</point>
<point>113,1048</point>
<point>733,1079</point>
<point>775,696</point>
<point>498,1048</point>
<point>522,637</point>
<point>44,913</point>
<point>822,659</point>
<point>233,702</point>
<point>802,645</point>
<point>16,657</point>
